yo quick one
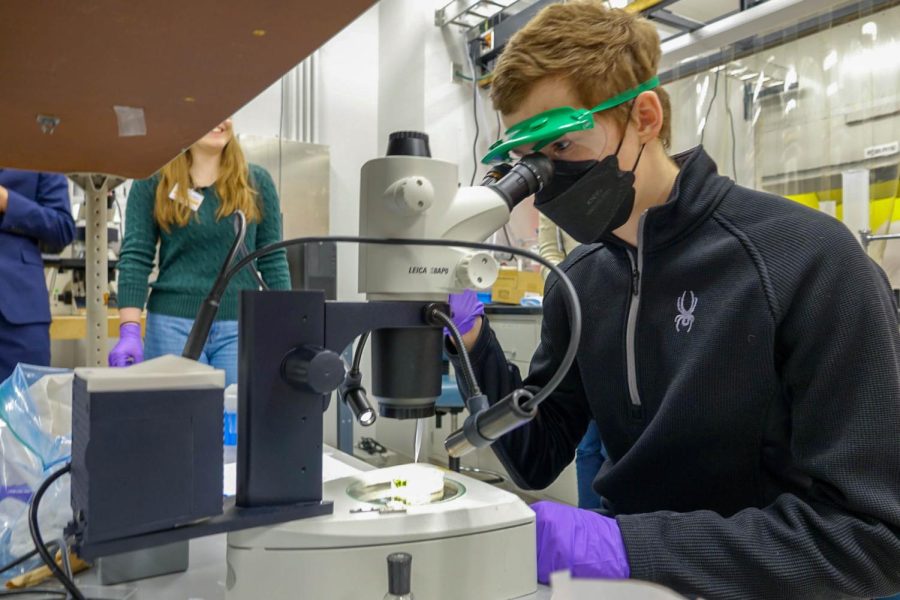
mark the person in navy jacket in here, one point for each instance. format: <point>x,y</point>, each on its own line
<point>34,209</point>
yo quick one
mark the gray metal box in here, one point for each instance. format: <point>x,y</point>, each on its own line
<point>146,447</point>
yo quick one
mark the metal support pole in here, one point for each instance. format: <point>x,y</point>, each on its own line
<point>867,237</point>
<point>96,189</point>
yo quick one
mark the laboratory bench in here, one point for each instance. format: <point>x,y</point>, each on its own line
<point>74,327</point>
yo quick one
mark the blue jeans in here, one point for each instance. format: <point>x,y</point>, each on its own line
<point>167,335</point>
<point>589,456</point>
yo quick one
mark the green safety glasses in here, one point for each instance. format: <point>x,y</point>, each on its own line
<point>548,126</point>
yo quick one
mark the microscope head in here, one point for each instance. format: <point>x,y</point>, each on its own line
<point>408,194</point>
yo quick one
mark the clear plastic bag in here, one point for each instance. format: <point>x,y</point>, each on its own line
<point>35,441</point>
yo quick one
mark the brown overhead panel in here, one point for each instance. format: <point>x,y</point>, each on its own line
<point>122,86</point>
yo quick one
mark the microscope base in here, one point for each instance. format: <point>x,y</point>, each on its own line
<point>480,544</point>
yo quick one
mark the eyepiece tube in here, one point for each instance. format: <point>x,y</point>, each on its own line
<point>497,172</point>
<point>485,427</point>
<point>525,178</point>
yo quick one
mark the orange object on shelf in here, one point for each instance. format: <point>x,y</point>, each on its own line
<point>512,284</point>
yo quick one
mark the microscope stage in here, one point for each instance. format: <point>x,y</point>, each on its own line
<point>468,539</point>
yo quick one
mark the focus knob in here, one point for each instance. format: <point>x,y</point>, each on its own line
<point>410,196</point>
<point>313,369</point>
<point>478,270</point>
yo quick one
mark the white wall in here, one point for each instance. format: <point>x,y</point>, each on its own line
<point>347,115</point>
<point>260,117</point>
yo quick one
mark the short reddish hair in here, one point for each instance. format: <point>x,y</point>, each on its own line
<point>601,52</point>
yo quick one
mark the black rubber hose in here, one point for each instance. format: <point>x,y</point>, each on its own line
<point>570,296</point>
<point>468,371</point>
<point>34,528</point>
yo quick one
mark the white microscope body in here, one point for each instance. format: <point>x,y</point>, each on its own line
<point>414,197</point>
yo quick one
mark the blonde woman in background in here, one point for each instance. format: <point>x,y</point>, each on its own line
<point>186,208</point>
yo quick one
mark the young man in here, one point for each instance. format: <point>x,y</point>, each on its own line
<point>740,353</point>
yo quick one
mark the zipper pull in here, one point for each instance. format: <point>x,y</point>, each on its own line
<point>635,282</point>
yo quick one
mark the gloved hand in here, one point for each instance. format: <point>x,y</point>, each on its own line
<point>581,541</point>
<point>465,308</point>
<point>129,350</point>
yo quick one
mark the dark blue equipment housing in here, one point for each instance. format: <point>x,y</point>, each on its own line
<point>143,460</point>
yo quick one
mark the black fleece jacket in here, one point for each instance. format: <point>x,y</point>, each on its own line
<point>743,366</point>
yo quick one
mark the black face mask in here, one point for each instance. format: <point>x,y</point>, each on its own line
<point>588,198</point>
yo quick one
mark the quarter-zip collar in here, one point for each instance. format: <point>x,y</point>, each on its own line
<point>697,191</point>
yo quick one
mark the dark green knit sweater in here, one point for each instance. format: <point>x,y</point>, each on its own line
<point>190,256</point>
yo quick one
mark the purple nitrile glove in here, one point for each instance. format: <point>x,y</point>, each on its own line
<point>129,350</point>
<point>577,540</point>
<point>464,309</point>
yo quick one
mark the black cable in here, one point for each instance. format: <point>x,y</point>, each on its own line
<point>733,138</point>
<point>34,528</point>
<point>193,346</point>
<point>477,133</point>
<point>240,250</point>
<point>357,356</point>
<point>240,232</point>
<point>15,563</point>
<point>506,233</point>
<point>475,102</point>
<point>709,108</point>
<point>33,592</point>
<point>25,557</point>
<point>571,296</point>
<point>244,251</point>
<point>468,371</point>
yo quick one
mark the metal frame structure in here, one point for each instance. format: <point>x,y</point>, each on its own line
<point>735,36</point>
<point>698,46</point>
<point>96,189</point>
<point>460,18</point>
<point>867,237</point>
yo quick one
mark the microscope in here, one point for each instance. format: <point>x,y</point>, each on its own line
<point>408,198</point>
<point>421,239</point>
<point>420,236</point>
<point>409,195</point>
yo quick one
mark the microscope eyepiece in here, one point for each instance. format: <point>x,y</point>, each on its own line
<point>497,172</point>
<point>521,180</point>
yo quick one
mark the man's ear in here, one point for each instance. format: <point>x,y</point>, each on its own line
<point>647,115</point>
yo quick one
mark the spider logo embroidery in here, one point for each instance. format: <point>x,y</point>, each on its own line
<point>685,318</point>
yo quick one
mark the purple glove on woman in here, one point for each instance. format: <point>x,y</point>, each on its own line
<point>464,309</point>
<point>581,541</point>
<point>129,350</point>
